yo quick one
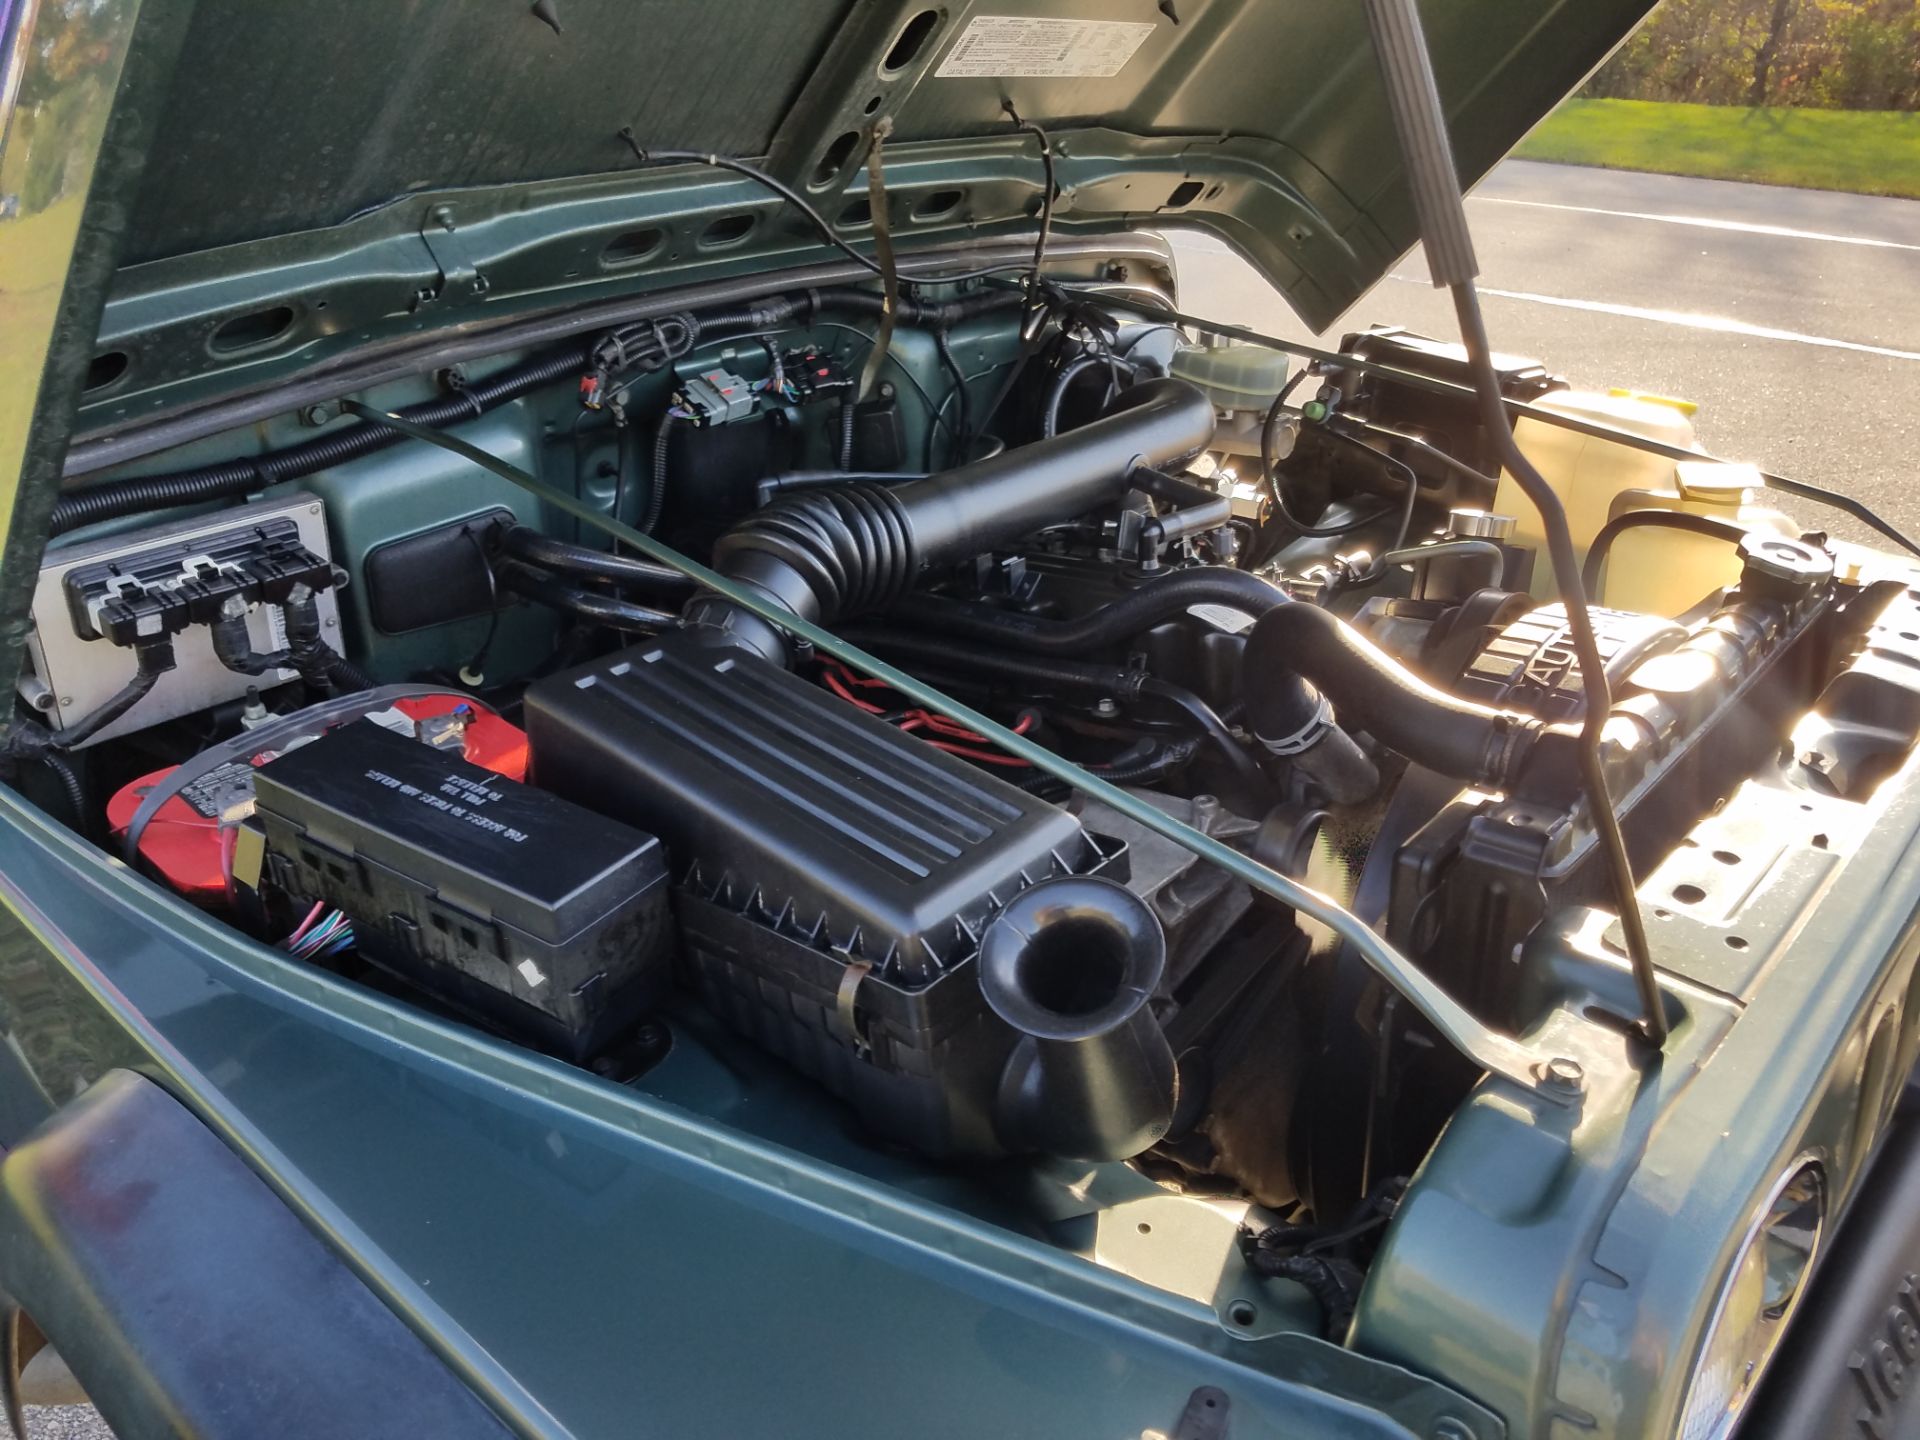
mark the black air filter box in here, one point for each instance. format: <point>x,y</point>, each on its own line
<point>545,920</point>
<point>833,875</point>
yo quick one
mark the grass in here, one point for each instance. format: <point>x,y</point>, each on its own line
<point>1869,152</point>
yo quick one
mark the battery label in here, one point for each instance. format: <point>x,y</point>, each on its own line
<point>220,789</point>
<point>1009,46</point>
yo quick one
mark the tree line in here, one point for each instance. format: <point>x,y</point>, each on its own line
<point>1824,54</point>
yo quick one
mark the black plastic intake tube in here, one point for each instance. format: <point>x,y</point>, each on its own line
<point>834,553</point>
<point>1456,737</point>
<point>973,508</point>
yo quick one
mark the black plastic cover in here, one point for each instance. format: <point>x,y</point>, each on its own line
<point>528,911</point>
<point>437,576</point>
<point>771,791</point>
<point>834,875</point>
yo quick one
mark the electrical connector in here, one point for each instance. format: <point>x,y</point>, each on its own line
<point>717,397</point>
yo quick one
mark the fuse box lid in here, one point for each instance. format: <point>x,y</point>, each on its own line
<point>490,846</point>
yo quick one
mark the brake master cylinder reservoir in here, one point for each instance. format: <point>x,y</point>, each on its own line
<point>1241,381</point>
<point>1588,474</point>
<point>1666,572</point>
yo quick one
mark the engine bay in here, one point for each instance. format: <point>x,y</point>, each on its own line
<point>403,720</point>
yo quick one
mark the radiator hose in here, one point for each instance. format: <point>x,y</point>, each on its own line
<point>1296,643</point>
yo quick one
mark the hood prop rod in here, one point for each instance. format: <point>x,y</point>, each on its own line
<point>1500,1054</point>
<point>1418,117</point>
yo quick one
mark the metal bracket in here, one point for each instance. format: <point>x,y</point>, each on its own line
<point>1205,1417</point>
<point>447,244</point>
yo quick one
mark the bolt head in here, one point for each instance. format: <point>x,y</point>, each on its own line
<point>1563,1073</point>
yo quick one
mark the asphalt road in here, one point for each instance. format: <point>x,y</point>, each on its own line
<point>1792,317</point>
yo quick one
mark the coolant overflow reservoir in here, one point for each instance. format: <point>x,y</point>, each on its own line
<point>1588,473</point>
<point>1666,572</point>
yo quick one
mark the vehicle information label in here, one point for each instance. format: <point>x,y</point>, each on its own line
<point>1006,46</point>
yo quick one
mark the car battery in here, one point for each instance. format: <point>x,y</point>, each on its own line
<point>512,905</point>
<point>187,843</point>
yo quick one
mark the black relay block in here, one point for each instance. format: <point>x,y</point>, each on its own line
<point>514,905</point>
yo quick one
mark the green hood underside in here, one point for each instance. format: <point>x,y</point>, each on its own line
<point>373,165</point>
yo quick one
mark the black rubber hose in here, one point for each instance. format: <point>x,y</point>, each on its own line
<point>1270,469</point>
<point>1156,765</point>
<point>521,543</point>
<point>1083,676</point>
<point>1244,767</point>
<point>1155,762</point>
<point>1057,392</point>
<point>235,477</point>
<point>1714,526</point>
<point>1113,624</point>
<point>1456,737</point>
<point>589,605</point>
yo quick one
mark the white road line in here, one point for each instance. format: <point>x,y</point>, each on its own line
<point>1721,324</point>
<point>1704,223</point>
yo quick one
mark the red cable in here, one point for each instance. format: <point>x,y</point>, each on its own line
<point>956,739</point>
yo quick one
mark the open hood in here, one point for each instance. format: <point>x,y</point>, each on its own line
<point>326,171</point>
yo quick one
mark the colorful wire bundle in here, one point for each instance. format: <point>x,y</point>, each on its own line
<point>332,936</point>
